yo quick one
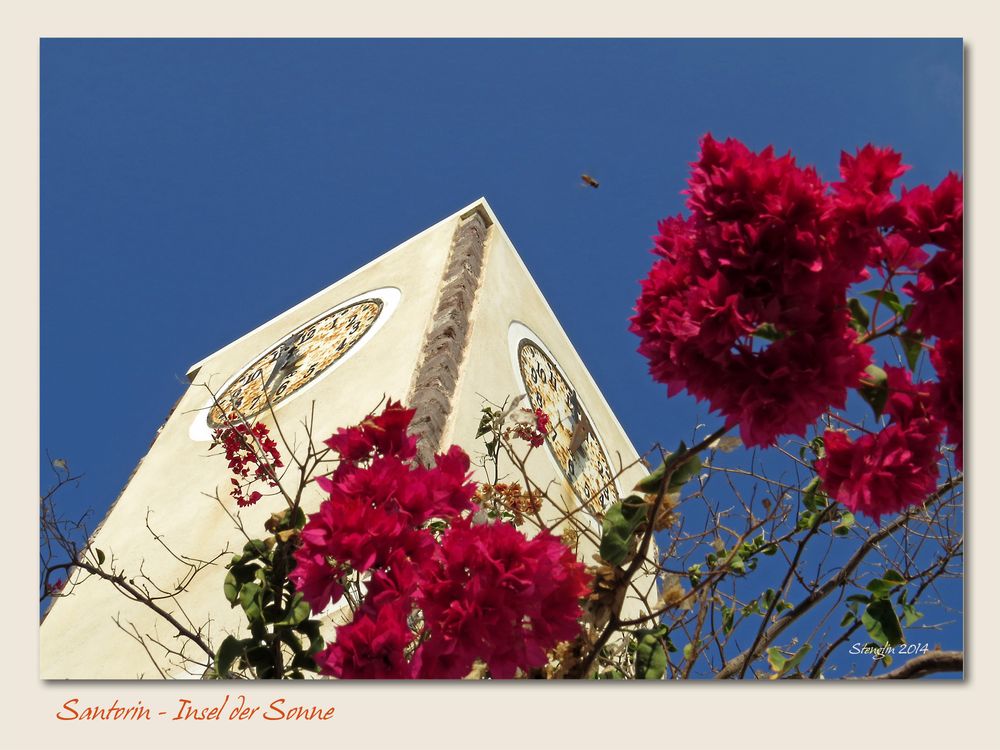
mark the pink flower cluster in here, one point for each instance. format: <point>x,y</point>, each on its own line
<point>494,595</point>
<point>886,471</point>
<point>531,426</point>
<point>747,306</point>
<point>935,217</point>
<point>763,254</point>
<point>246,446</point>
<point>435,602</point>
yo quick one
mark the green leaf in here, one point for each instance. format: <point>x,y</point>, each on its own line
<point>295,518</point>
<point>843,528</point>
<point>311,629</point>
<point>805,520</point>
<point>912,344</point>
<point>680,474</point>
<point>229,651</point>
<point>303,661</point>
<point>847,619</point>
<point>783,665</point>
<point>859,315</point>
<point>882,624</point>
<point>727,620</point>
<point>887,298</point>
<point>250,600</point>
<point>879,588</point>
<point>875,389</point>
<point>688,651</point>
<point>262,661</point>
<point>620,522</point>
<point>776,659</point>
<point>485,424</point>
<point>684,473</point>
<point>298,611</point>
<point>910,614</point>
<point>893,576</point>
<point>650,657</point>
<point>253,549</point>
<point>231,588</point>
<point>100,556</point>
<point>812,496</point>
<point>694,574</point>
<point>768,332</point>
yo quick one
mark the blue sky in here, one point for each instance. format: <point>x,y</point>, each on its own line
<point>191,190</point>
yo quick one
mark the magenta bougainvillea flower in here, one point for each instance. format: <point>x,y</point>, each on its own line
<point>462,591</point>
<point>491,594</point>
<point>371,647</point>
<point>747,307</point>
<point>247,445</point>
<point>531,426</point>
<point>384,434</point>
<point>938,296</point>
<point>887,471</point>
<point>883,472</point>
<point>947,395</point>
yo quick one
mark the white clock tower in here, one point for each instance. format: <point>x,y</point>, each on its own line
<point>444,322</point>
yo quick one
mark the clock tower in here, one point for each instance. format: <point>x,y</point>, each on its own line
<point>446,322</point>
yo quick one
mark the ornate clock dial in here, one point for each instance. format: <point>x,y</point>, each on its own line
<point>572,440</point>
<point>298,359</point>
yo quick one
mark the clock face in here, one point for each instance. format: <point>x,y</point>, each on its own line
<point>572,440</point>
<point>296,361</point>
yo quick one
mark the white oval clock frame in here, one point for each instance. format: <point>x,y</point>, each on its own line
<point>389,296</point>
<point>516,333</point>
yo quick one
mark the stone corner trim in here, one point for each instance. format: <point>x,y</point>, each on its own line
<point>444,344</point>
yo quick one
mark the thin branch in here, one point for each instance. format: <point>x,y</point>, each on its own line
<point>932,662</point>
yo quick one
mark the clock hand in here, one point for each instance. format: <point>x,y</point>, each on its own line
<point>285,362</point>
<point>581,427</point>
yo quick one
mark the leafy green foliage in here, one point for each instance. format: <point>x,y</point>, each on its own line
<point>859,315</point>
<point>886,297</point>
<point>875,388</point>
<point>843,527</point>
<point>781,665</point>
<point>879,616</point>
<point>913,345</point>
<point>651,653</point>
<point>277,615</point>
<point>680,470</point>
<point>743,558</point>
<point>768,332</point>
<point>882,624</point>
<point>621,521</point>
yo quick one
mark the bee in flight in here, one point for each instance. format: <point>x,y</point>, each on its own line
<point>588,180</point>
